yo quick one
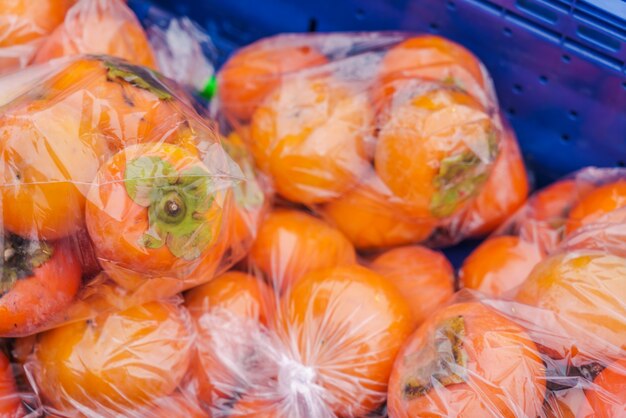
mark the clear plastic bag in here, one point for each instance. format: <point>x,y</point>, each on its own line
<point>184,52</point>
<point>307,332</point>
<point>105,27</point>
<point>590,199</point>
<point>129,363</point>
<point>114,192</point>
<point>395,138</point>
<point>24,24</point>
<point>338,339</point>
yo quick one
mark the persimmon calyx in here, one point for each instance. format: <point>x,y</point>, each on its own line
<point>460,177</point>
<point>443,359</point>
<point>139,77</point>
<point>177,203</point>
<point>20,258</point>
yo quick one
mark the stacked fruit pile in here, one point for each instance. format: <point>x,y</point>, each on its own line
<point>284,263</point>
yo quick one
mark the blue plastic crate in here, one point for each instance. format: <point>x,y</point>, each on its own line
<point>559,66</point>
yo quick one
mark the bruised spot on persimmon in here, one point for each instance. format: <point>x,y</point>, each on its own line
<point>446,350</point>
<point>176,203</point>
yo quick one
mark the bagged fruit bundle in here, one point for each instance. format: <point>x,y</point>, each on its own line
<point>114,192</point>
<point>98,27</point>
<point>591,200</point>
<point>131,363</point>
<point>24,24</point>
<point>394,138</point>
<point>306,331</point>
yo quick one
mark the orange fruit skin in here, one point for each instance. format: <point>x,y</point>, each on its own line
<point>251,198</point>
<point>545,216</point>
<point>108,28</point>
<point>118,110</point>
<point>36,300</point>
<point>48,162</point>
<point>240,303</point>
<point>499,265</point>
<point>115,362</point>
<point>116,223</point>
<point>419,134</point>
<point>350,345</point>
<point>608,393</point>
<point>372,217</point>
<point>253,72</point>
<point>505,375</point>
<point>504,192</point>
<point>596,204</point>
<point>424,277</point>
<point>10,402</point>
<point>23,25</point>
<point>309,136</point>
<point>583,297</point>
<point>291,244</point>
<point>437,59</point>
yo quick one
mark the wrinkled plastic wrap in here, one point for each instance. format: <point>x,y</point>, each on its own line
<point>321,344</point>
<point>98,27</point>
<point>184,52</point>
<point>130,363</point>
<point>303,330</point>
<point>24,24</point>
<point>589,200</point>
<point>394,138</point>
<point>114,192</point>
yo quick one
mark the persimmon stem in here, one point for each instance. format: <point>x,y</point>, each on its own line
<point>444,357</point>
<point>20,258</point>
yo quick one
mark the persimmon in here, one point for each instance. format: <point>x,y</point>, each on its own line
<point>467,360</point>
<point>607,395</point>
<point>106,27</point>
<point>499,265</point>
<point>226,312</point>
<point>10,402</point>
<point>346,325</point>
<point>436,150</point>
<point>127,104</point>
<point>581,297</point>
<point>544,218</point>
<point>254,71</point>
<point>423,276</point>
<point>503,193</point>
<point>438,59</point>
<point>290,244</point>
<point>372,217</point>
<point>154,209</point>
<point>310,135</point>
<point>115,362</point>
<point>39,281</point>
<point>596,204</point>
<point>44,181</point>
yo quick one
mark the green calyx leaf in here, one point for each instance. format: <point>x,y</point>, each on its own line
<point>137,76</point>
<point>448,360</point>
<point>20,258</point>
<point>460,178</point>
<point>177,205</point>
